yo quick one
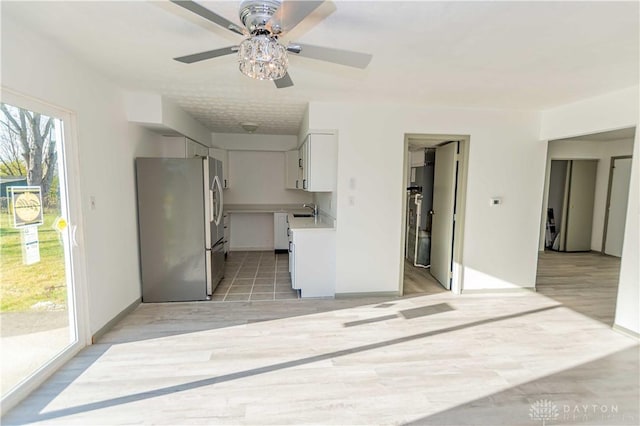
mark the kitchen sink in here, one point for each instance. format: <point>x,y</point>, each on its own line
<point>302,215</point>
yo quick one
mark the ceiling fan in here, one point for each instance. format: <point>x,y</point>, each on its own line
<point>260,54</point>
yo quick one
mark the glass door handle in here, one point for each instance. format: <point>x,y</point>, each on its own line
<point>74,232</point>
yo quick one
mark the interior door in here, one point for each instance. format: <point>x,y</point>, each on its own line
<point>618,200</point>
<point>580,205</point>
<point>444,196</point>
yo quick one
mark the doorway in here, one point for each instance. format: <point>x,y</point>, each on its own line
<point>433,219</point>
<point>570,206</point>
<point>572,266</point>
<point>43,299</point>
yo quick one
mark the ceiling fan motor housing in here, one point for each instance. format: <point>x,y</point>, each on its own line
<point>256,14</point>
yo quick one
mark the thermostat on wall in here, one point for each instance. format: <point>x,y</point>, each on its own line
<point>495,201</point>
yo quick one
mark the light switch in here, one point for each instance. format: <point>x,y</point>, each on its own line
<point>352,183</point>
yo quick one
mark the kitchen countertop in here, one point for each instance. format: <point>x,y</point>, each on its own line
<point>264,208</point>
<point>321,222</point>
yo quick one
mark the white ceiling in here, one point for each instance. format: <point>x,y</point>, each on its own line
<point>527,55</point>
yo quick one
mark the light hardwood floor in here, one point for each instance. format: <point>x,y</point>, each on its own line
<point>591,276</point>
<point>485,359</point>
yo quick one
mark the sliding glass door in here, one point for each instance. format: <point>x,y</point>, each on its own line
<point>41,269</point>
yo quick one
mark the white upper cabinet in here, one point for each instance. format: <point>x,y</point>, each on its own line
<point>318,159</point>
<point>292,170</point>
<point>222,155</point>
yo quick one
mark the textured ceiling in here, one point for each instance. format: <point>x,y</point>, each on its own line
<point>527,55</point>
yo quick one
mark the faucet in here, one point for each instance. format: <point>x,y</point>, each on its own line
<point>312,207</point>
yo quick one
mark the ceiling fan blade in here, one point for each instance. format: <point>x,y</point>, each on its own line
<point>283,82</point>
<point>208,15</point>
<point>196,57</point>
<point>329,54</point>
<point>292,12</point>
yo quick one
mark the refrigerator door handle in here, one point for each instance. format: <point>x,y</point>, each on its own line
<point>217,188</point>
<point>211,206</point>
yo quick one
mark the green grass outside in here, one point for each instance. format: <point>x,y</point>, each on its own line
<point>21,286</point>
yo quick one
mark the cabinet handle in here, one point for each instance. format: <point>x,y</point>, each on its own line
<point>288,233</point>
<point>296,183</point>
<point>304,184</point>
<point>289,246</point>
<point>225,184</point>
<point>300,162</point>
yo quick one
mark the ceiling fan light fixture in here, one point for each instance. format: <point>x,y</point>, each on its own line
<point>261,57</point>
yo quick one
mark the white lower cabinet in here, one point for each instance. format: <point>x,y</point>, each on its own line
<point>280,226</point>
<point>312,262</point>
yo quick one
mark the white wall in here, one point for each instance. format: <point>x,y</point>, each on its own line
<point>258,177</point>
<point>251,231</point>
<point>506,159</point>
<point>617,110</point>
<point>592,150</point>
<point>327,203</point>
<point>163,116</point>
<point>107,146</point>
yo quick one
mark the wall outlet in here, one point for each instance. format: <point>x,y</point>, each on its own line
<point>495,201</point>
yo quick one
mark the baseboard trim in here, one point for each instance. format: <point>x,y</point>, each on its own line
<point>623,330</point>
<point>108,326</point>
<point>368,294</point>
<point>499,290</point>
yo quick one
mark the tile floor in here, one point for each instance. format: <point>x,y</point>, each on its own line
<point>255,276</point>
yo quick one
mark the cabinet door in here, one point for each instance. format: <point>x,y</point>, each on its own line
<point>292,170</point>
<point>292,265</point>
<point>320,167</point>
<point>303,158</point>
<point>280,237</point>
<point>313,269</point>
<point>223,156</point>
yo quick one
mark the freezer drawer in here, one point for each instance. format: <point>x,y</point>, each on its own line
<point>217,264</point>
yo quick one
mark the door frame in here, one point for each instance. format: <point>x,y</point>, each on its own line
<point>80,298</point>
<point>431,140</point>
<point>545,191</point>
<point>608,201</point>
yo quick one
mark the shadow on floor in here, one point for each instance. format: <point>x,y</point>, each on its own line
<point>37,416</point>
<point>566,397</point>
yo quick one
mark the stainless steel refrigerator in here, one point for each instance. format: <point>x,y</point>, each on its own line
<point>181,231</point>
